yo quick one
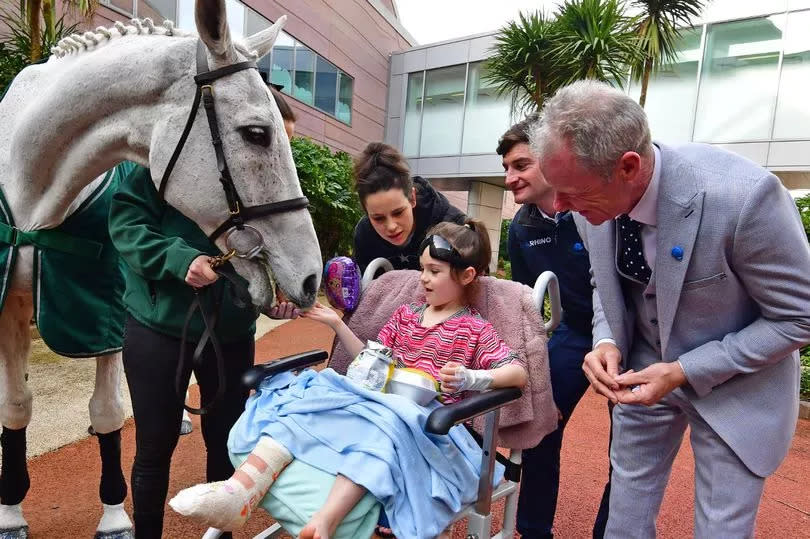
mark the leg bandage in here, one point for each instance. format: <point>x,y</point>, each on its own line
<point>226,505</point>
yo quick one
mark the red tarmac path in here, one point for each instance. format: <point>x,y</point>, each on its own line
<point>63,500</point>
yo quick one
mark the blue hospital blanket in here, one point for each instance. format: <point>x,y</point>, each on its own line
<point>377,440</point>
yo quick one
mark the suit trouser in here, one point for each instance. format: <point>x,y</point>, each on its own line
<point>540,475</point>
<point>645,443</point>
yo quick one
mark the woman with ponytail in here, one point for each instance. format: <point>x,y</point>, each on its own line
<point>399,208</point>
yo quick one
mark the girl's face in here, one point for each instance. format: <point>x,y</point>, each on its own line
<point>391,214</point>
<point>437,279</point>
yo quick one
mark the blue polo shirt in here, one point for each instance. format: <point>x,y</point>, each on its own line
<point>537,244</point>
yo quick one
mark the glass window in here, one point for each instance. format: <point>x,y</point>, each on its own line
<point>304,73</point>
<point>124,6</point>
<point>725,10</point>
<point>792,111</point>
<point>235,11</point>
<point>672,92</point>
<point>443,111</point>
<point>413,114</point>
<point>326,86</point>
<point>158,10</point>
<point>344,102</point>
<point>739,79</point>
<point>283,62</point>
<point>486,116</point>
<point>254,22</point>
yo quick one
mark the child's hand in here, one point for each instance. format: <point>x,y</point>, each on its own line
<point>322,314</point>
<point>448,377</point>
<point>456,377</point>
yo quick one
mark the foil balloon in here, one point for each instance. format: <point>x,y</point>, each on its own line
<point>341,282</point>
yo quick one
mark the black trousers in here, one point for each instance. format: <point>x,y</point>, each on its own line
<point>150,362</point>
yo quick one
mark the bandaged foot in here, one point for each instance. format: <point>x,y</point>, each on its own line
<point>226,505</point>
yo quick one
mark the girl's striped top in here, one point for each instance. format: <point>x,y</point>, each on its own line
<point>465,338</point>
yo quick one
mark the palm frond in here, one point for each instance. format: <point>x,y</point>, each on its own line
<point>659,31</point>
<point>596,42</point>
<point>522,65</point>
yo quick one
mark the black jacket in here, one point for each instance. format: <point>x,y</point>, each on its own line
<point>537,244</point>
<point>432,207</point>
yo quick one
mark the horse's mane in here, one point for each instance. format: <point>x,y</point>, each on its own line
<point>76,43</point>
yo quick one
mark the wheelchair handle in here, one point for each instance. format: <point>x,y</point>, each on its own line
<point>371,271</point>
<point>441,419</point>
<point>548,281</point>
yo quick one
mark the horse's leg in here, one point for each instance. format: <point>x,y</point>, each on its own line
<point>15,412</point>
<point>107,418</point>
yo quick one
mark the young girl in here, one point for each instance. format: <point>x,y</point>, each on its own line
<point>443,336</point>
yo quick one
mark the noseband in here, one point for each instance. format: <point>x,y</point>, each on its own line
<point>241,240</point>
<point>239,213</point>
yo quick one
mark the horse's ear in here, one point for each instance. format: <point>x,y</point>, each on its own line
<point>212,26</point>
<point>262,42</point>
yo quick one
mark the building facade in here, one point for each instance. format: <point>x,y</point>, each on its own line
<point>332,58</point>
<point>740,82</point>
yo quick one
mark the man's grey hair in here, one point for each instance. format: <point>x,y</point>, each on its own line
<point>599,122</point>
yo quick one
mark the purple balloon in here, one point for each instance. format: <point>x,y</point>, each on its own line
<point>341,282</point>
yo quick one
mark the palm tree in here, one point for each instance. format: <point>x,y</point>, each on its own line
<point>658,35</point>
<point>597,41</point>
<point>522,65</point>
<point>36,11</point>
<point>537,54</point>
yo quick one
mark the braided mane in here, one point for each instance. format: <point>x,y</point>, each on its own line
<point>76,43</point>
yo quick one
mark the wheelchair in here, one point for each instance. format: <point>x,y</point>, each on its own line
<point>487,404</point>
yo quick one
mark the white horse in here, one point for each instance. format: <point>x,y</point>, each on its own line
<point>125,93</point>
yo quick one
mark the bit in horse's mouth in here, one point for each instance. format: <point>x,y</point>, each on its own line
<point>275,289</point>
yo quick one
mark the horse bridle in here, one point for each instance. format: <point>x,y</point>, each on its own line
<point>234,225</point>
<point>241,240</point>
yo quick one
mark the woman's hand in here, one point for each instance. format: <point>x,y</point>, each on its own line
<point>323,314</point>
<point>200,273</point>
<point>284,310</point>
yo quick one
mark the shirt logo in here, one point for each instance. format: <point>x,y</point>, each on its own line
<point>539,241</point>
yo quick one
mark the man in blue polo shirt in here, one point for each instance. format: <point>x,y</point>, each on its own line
<point>541,240</point>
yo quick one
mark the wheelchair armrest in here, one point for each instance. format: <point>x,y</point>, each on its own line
<point>441,419</point>
<point>253,377</point>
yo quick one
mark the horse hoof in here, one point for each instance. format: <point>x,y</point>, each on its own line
<point>15,533</point>
<point>185,426</point>
<point>117,534</point>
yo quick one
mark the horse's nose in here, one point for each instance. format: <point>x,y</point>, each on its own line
<point>310,286</point>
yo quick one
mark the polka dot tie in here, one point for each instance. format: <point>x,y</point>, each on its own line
<point>631,260</point>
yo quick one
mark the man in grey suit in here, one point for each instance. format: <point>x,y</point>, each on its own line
<point>702,295</point>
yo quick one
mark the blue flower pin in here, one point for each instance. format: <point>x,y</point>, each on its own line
<point>677,252</point>
<point>578,246</point>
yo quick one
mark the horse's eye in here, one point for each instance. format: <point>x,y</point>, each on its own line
<point>256,134</point>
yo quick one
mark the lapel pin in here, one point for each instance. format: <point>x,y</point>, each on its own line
<point>677,252</point>
<point>578,247</point>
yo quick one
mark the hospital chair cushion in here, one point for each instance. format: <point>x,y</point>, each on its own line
<point>301,490</point>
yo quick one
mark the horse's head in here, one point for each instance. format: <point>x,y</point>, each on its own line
<point>257,153</point>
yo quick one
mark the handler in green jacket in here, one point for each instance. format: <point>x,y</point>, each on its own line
<point>166,256</point>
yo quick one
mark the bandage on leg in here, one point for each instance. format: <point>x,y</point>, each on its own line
<point>226,505</point>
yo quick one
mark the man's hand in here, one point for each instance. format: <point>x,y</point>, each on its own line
<point>601,366</point>
<point>650,385</point>
<point>200,273</point>
<point>284,310</point>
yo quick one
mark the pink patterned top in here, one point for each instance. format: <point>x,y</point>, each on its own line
<point>465,338</point>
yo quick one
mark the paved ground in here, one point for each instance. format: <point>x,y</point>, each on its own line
<point>63,499</point>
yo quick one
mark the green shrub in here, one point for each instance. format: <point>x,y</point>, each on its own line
<point>804,211</point>
<point>326,179</point>
<point>805,381</point>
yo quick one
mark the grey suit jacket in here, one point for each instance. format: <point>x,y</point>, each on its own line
<point>735,309</point>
